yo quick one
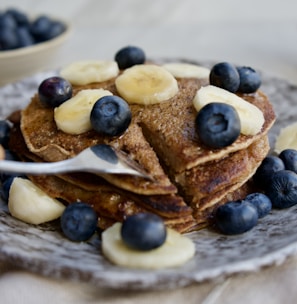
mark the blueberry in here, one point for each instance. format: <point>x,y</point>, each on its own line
<point>236,217</point>
<point>225,76</point>
<point>9,155</point>
<point>218,125</point>
<point>20,17</point>
<point>79,221</point>
<point>289,157</point>
<point>143,231</point>
<point>8,39</point>
<point>24,37</point>
<point>7,21</point>
<point>54,91</point>
<point>110,115</point>
<point>250,80</point>
<point>4,133</point>
<point>261,201</point>
<point>56,29</point>
<point>6,187</point>
<point>40,28</point>
<point>269,165</point>
<point>17,31</point>
<point>282,189</point>
<point>129,56</point>
<point>105,152</point>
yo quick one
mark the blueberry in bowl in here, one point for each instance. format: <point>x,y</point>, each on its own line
<point>17,30</point>
<point>29,44</point>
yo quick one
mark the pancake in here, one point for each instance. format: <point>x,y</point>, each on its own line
<point>159,134</point>
<point>189,179</point>
<point>113,204</point>
<point>201,182</point>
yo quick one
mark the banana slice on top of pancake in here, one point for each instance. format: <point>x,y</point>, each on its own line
<point>90,71</point>
<point>73,116</point>
<point>251,117</point>
<point>186,70</point>
<point>146,84</point>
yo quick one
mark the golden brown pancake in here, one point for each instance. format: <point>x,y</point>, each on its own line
<point>190,179</point>
<point>111,203</point>
<point>199,184</point>
<point>114,204</point>
<point>158,133</point>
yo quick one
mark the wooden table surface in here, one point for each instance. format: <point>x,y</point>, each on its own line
<point>261,34</point>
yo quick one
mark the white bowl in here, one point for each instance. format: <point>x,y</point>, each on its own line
<point>19,63</point>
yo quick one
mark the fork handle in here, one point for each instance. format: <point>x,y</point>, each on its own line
<point>10,166</point>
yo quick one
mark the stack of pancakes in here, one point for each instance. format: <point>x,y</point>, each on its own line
<point>190,179</point>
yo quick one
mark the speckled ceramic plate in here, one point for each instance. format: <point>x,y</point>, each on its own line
<point>42,249</point>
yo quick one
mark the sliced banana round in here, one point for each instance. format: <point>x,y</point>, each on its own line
<point>73,116</point>
<point>287,138</point>
<point>89,71</point>
<point>186,70</point>
<point>146,84</point>
<point>176,250</point>
<point>251,117</point>
<point>30,204</point>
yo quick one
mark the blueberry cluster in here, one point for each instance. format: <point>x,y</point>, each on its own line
<point>276,178</point>
<point>236,217</point>
<point>17,30</point>
<point>241,79</point>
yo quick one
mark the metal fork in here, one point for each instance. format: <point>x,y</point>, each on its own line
<point>97,159</point>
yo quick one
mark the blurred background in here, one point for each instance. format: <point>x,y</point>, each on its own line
<point>259,33</point>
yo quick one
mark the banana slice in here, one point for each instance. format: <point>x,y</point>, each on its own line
<point>186,70</point>
<point>176,251</point>
<point>85,72</point>
<point>73,116</point>
<point>30,204</point>
<point>251,117</point>
<point>146,84</point>
<point>287,138</point>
